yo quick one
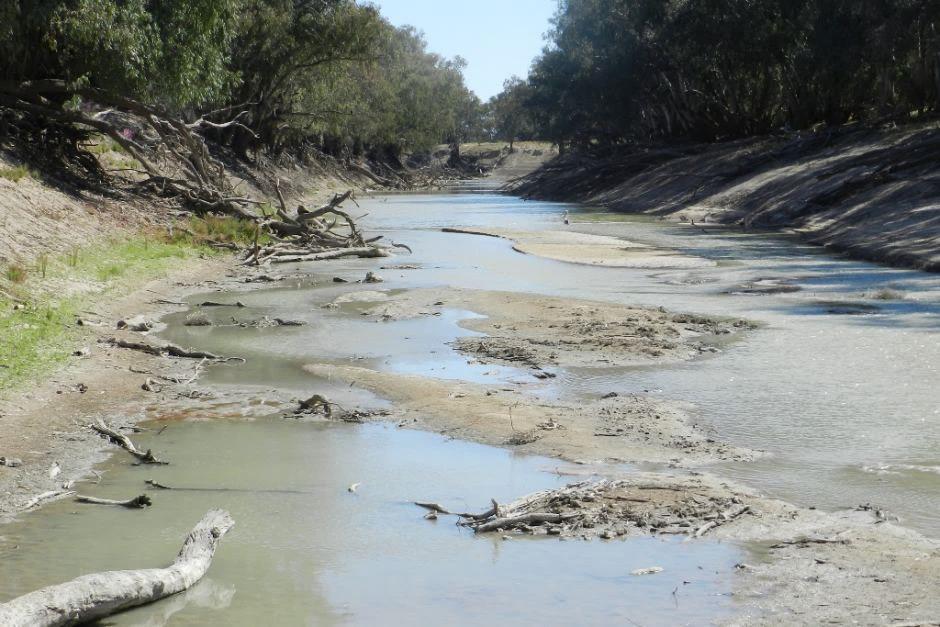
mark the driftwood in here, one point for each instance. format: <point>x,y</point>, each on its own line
<point>125,442</point>
<point>335,253</point>
<point>211,303</point>
<point>102,594</point>
<point>439,509</point>
<point>45,496</point>
<point>723,517</point>
<point>138,502</point>
<point>522,520</point>
<point>312,235</point>
<point>170,350</point>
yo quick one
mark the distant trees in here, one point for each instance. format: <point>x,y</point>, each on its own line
<point>636,70</point>
<point>511,118</point>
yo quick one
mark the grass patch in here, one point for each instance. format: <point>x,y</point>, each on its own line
<point>104,144</point>
<point>15,273</point>
<point>15,173</point>
<point>34,339</point>
<point>37,337</point>
<point>222,229</point>
<point>40,335</point>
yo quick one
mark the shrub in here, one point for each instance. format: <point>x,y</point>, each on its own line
<point>15,273</point>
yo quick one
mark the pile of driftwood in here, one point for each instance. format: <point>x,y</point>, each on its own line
<point>606,509</point>
<point>313,235</point>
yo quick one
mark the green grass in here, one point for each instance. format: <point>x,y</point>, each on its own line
<point>41,335</point>
<point>15,173</point>
<point>103,144</point>
<point>34,339</point>
<point>223,229</point>
<point>15,273</point>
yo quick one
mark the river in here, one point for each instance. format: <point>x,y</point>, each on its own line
<point>839,386</point>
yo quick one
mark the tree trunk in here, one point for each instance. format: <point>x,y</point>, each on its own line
<point>94,596</point>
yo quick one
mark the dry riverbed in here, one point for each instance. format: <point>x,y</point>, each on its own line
<point>809,566</point>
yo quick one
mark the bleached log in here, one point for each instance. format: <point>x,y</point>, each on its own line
<point>46,496</point>
<point>361,251</point>
<point>535,518</point>
<point>94,596</point>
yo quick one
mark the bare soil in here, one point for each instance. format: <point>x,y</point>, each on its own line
<point>539,332</point>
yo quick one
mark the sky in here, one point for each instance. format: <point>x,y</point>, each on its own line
<point>498,38</point>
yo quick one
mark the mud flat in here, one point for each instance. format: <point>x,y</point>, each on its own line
<point>539,332</point>
<point>805,566</point>
<point>542,335</point>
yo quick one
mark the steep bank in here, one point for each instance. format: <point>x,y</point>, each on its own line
<point>873,194</point>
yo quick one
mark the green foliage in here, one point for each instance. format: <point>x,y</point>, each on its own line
<point>171,53</point>
<point>15,173</point>
<point>632,70</point>
<point>511,118</point>
<point>221,229</point>
<point>41,334</point>
<point>15,273</point>
<point>296,73</point>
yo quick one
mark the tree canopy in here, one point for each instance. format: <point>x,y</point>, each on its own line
<point>619,71</point>
<point>333,73</point>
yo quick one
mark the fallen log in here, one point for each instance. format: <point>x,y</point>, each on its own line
<point>125,442</point>
<point>433,507</point>
<point>150,349</point>
<point>94,596</point>
<point>138,502</point>
<point>170,350</point>
<point>337,253</point>
<point>534,518</point>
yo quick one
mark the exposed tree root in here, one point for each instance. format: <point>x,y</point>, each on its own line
<point>172,161</point>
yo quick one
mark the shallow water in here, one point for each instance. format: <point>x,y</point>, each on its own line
<point>847,403</point>
<point>305,551</point>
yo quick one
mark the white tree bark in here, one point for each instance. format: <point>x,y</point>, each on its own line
<point>101,594</point>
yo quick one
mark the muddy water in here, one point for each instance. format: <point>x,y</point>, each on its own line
<point>848,405</point>
<point>841,387</point>
<point>305,551</point>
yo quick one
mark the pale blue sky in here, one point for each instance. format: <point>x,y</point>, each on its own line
<point>498,38</point>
